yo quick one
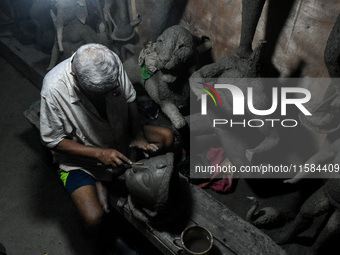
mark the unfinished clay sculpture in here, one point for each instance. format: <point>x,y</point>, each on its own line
<point>123,27</point>
<point>325,117</point>
<point>266,217</point>
<point>251,12</point>
<point>234,69</point>
<point>66,11</point>
<point>75,34</point>
<point>166,66</point>
<point>151,187</point>
<point>72,29</point>
<point>325,200</point>
<point>161,14</point>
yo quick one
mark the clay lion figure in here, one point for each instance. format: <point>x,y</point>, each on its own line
<point>166,66</point>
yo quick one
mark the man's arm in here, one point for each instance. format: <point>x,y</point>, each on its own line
<point>105,156</point>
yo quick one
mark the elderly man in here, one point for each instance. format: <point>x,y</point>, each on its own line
<point>89,119</point>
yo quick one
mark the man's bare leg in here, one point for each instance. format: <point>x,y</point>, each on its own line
<point>91,211</point>
<point>160,136</point>
<point>102,196</point>
<point>89,207</point>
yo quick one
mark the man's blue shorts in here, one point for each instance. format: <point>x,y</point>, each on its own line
<point>75,179</point>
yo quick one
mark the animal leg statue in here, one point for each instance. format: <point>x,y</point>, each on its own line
<point>123,29</point>
<point>265,217</point>
<point>251,12</point>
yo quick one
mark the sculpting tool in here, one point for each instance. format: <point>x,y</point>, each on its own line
<point>133,164</point>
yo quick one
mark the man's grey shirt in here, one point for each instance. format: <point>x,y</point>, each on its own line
<point>67,114</point>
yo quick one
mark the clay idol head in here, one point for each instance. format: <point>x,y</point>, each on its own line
<point>149,184</point>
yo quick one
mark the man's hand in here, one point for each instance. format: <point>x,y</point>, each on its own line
<point>143,144</point>
<point>113,157</point>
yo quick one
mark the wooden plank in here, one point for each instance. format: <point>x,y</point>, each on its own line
<point>161,239</point>
<point>238,235</point>
<point>232,235</point>
<point>33,114</point>
<point>25,58</point>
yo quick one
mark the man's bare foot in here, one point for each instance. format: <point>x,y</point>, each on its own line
<point>102,195</point>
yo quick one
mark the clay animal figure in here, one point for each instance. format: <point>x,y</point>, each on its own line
<point>168,63</point>
<point>151,188</point>
<point>75,34</point>
<point>67,10</point>
<point>325,200</point>
<point>266,217</point>
<point>325,117</point>
<point>231,68</point>
<point>64,14</point>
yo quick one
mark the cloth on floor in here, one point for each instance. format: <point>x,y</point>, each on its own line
<point>220,181</point>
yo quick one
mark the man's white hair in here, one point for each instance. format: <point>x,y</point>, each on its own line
<point>96,68</point>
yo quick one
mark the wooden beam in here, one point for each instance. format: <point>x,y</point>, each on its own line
<point>232,235</point>
<point>25,58</point>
